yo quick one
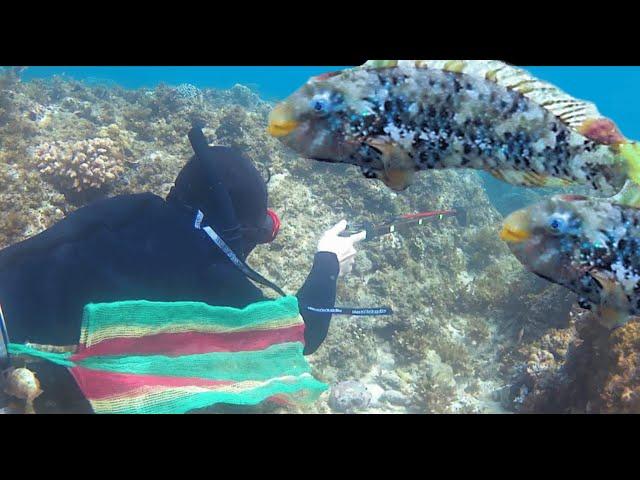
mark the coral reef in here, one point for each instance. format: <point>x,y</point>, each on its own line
<point>81,165</point>
<point>471,331</point>
<point>582,369</point>
<point>188,91</point>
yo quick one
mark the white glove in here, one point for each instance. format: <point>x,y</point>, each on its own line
<point>343,247</point>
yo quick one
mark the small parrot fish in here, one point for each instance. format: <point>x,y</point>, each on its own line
<point>590,246</point>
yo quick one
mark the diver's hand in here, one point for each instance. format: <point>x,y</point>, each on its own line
<point>343,247</point>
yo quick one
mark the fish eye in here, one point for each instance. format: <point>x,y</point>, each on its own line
<point>556,224</point>
<point>320,105</point>
<point>368,172</point>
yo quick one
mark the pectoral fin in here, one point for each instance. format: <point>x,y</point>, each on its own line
<point>614,307</point>
<point>399,167</point>
<point>611,317</point>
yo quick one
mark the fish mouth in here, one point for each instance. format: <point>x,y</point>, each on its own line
<point>281,121</point>
<point>516,227</point>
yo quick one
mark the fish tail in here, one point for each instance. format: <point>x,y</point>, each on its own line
<point>630,152</point>
<point>628,196</point>
<point>28,408</point>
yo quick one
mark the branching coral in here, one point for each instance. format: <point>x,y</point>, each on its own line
<point>188,91</point>
<point>82,165</point>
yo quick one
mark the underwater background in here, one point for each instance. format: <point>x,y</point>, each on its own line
<point>613,89</point>
<point>472,331</point>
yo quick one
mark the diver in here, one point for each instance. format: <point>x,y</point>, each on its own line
<point>140,246</point>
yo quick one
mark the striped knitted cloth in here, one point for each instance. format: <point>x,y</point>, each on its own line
<point>159,357</point>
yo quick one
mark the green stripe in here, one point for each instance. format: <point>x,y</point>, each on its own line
<point>144,313</point>
<point>275,361</point>
<point>57,358</point>
<point>308,388</point>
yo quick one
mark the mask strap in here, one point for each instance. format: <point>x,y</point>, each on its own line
<point>239,264</point>
<point>5,360</point>
<point>256,277</point>
<point>356,312</point>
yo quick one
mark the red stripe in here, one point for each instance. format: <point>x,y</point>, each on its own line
<point>281,399</point>
<point>191,343</point>
<point>98,384</point>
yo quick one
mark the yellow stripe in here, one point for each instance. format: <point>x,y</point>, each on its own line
<point>123,331</point>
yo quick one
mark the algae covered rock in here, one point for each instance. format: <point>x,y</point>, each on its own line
<point>582,369</point>
<point>349,396</point>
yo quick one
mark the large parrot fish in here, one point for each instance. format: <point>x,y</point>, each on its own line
<point>393,118</point>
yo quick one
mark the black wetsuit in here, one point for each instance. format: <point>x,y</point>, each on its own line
<point>141,246</point>
<point>132,247</point>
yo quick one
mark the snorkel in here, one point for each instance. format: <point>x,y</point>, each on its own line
<point>253,230</point>
<point>231,231</point>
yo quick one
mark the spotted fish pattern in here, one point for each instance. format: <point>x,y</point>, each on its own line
<point>392,118</point>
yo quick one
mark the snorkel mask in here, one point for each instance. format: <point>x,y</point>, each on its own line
<point>271,227</point>
<point>266,232</point>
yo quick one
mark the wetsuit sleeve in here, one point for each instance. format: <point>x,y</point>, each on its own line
<point>319,290</point>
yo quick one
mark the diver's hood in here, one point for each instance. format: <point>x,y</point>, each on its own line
<point>223,184</point>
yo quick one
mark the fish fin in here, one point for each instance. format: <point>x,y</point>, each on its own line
<point>487,69</point>
<point>528,179</point>
<point>630,152</point>
<point>398,179</point>
<point>601,130</point>
<point>325,76</point>
<point>571,198</point>
<point>569,110</point>
<point>392,153</point>
<point>456,66</point>
<point>629,196</point>
<point>399,167</point>
<point>572,112</point>
<point>604,279</point>
<point>380,64</point>
<point>613,310</point>
<point>611,317</point>
<point>497,174</point>
<point>28,407</point>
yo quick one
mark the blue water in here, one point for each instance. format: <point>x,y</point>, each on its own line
<point>271,83</point>
<point>616,90</point>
